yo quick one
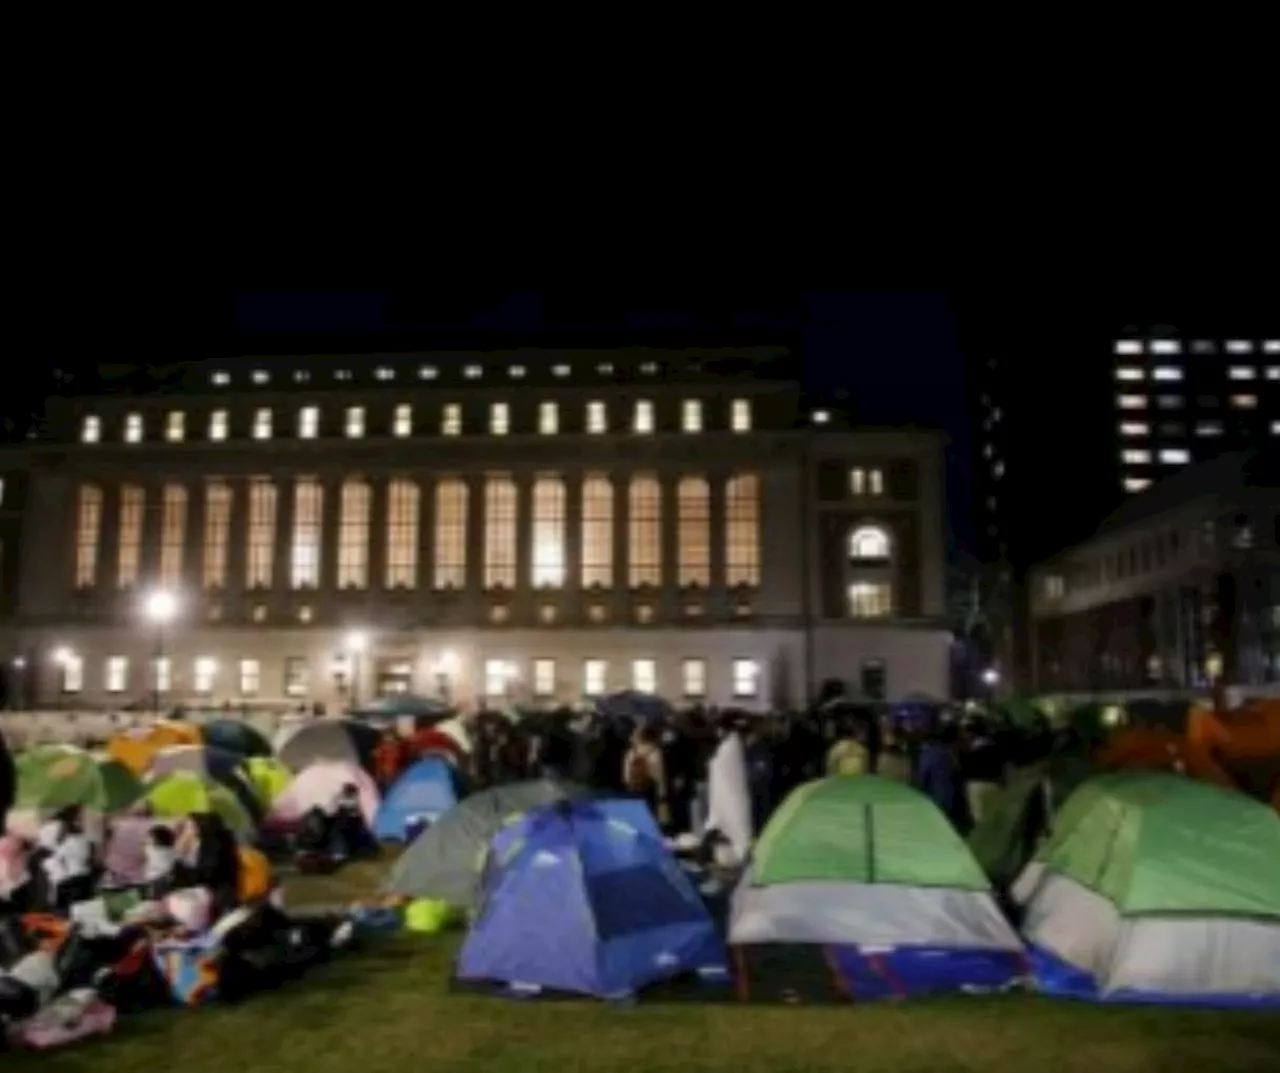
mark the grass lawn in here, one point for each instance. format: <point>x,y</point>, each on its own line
<point>389,1009</point>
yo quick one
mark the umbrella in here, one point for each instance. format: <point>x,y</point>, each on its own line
<point>55,778</point>
<point>233,736</point>
<point>183,793</point>
<point>634,705</point>
<point>135,748</point>
<point>268,777</point>
<point>342,740</point>
<point>216,764</point>
<point>405,704</point>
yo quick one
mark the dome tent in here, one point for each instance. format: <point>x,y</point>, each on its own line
<point>868,874</point>
<point>585,904</point>
<point>425,791</point>
<point>1157,888</point>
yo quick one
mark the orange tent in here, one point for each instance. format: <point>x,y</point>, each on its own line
<point>135,749</point>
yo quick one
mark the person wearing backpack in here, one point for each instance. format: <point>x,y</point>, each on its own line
<point>644,773</point>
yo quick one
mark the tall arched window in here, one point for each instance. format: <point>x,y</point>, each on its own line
<point>451,534</point>
<point>742,530</point>
<point>402,534</point>
<point>644,533</point>
<point>500,533</point>
<point>308,529</point>
<point>693,505</point>
<point>597,532</point>
<point>869,543</point>
<point>353,536</point>
<point>548,532</point>
<point>173,534</point>
<point>88,533</point>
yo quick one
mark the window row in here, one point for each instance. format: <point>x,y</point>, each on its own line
<point>597,418</point>
<point>1199,346</point>
<point>388,373</point>
<point>501,677</point>
<point>634,539</point>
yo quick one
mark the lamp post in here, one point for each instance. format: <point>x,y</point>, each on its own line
<point>159,609</point>
<point>19,699</point>
<point>356,644</point>
<point>446,667</point>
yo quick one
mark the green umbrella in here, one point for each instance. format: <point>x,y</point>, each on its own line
<point>54,778</point>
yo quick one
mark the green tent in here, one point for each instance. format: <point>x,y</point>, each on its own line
<point>183,793</point>
<point>268,777</point>
<point>1156,886</point>
<point>51,778</point>
<point>863,829</point>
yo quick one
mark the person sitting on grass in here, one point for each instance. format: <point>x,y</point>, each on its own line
<point>160,859</point>
<point>349,834</point>
<point>66,859</point>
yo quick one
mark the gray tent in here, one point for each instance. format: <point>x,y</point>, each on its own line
<point>445,861</point>
<point>343,740</point>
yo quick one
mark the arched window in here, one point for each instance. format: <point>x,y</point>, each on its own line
<point>869,542</point>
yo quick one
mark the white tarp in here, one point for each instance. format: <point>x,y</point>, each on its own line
<point>728,798</point>
<point>868,914</point>
<point>1172,955</point>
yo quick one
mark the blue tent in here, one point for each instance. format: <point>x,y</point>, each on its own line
<point>629,812</point>
<point>586,904</point>
<point>422,794</point>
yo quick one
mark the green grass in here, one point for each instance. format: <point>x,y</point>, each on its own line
<point>389,1009</point>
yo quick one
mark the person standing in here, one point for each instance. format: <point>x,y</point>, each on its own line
<point>644,774</point>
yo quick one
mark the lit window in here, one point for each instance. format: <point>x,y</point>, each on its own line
<point>1273,372</point>
<point>740,415</point>
<point>296,676</point>
<point>259,613</point>
<point>544,678</point>
<point>693,678</point>
<point>870,599</point>
<point>308,520</point>
<point>1170,402</point>
<point>309,422</point>
<point>1134,428</point>
<point>1135,458</point>
<point>1242,372</point>
<point>1165,346</point>
<point>642,419</point>
<point>175,426</point>
<point>1129,372</point>
<point>91,429</point>
<point>260,540</point>
<point>301,375</point>
<point>594,677</point>
<point>218,425</point>
<point>1131,402</point>
<point>354,424</point>
<point>88,536</point>
<point>644,614</point>
<point>548,532</point>
<point>117,674</point>
<point>217,533</point>
<point>1275,428</point>
<point>428,372</point>
<point>402,534</point>
<point>548,418</point>
<point>305,613</point>
<point>869,542</point>
<point>644,675</point>
<point>517,372</point>
<point>221,379</point>
<point>384,372</point>
<point>997,470</point>
<point>742,530</point>
<point>1239,346</point>
<point>402,420</point>
<point>173,534</point>
<point>1136,484</point>
<point>605,368</point>
<point>693,531</point>
<point>1175,456</point>
<point>1128,346</point>
<point>691,415</point>
<point>162,674</point>
<point>497,677</point>
<point>644,532</point>
<point>250,677</point>
<point>1166,372</point>
<point>451,419</point>
<point>1209,428</point>
<point>499,418</point>
<point>1244,402</point>
<point>499,533</point>
<point>451,535</point>
<point>72,672</point>
<point>1203,346</point>
<point>597,532</point>
<point>342,374</point>
<point>821,417</point>
<point>133,428</point>
<point>1271,346</point>
<point>353,535</point>
<point>746,679</point>
<point>561,370</point>
<point>1055,586</point>
<point>261,376</point>
<point>262,424</point>
<point>547,614</point>
<point>472,372</point>
<point>597,613</point>
<point>499,614</point>
<point>649,368</point>
<point>206,669</point>
<point>597,417</point>
<point>133,501</point>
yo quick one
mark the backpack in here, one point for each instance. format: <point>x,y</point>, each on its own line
<point>638,776</point>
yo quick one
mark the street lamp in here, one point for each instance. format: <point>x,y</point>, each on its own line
<point>356,644</point>
<point>160,608</point>
<point>446,668</point>
<point>18,700</point>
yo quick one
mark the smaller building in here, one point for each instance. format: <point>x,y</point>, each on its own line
<point>1178,589</point>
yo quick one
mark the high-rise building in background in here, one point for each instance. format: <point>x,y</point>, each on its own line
<point>1181,399</point>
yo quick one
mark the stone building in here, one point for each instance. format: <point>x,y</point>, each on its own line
<point>1180,588</point>
<point>529,526</point>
